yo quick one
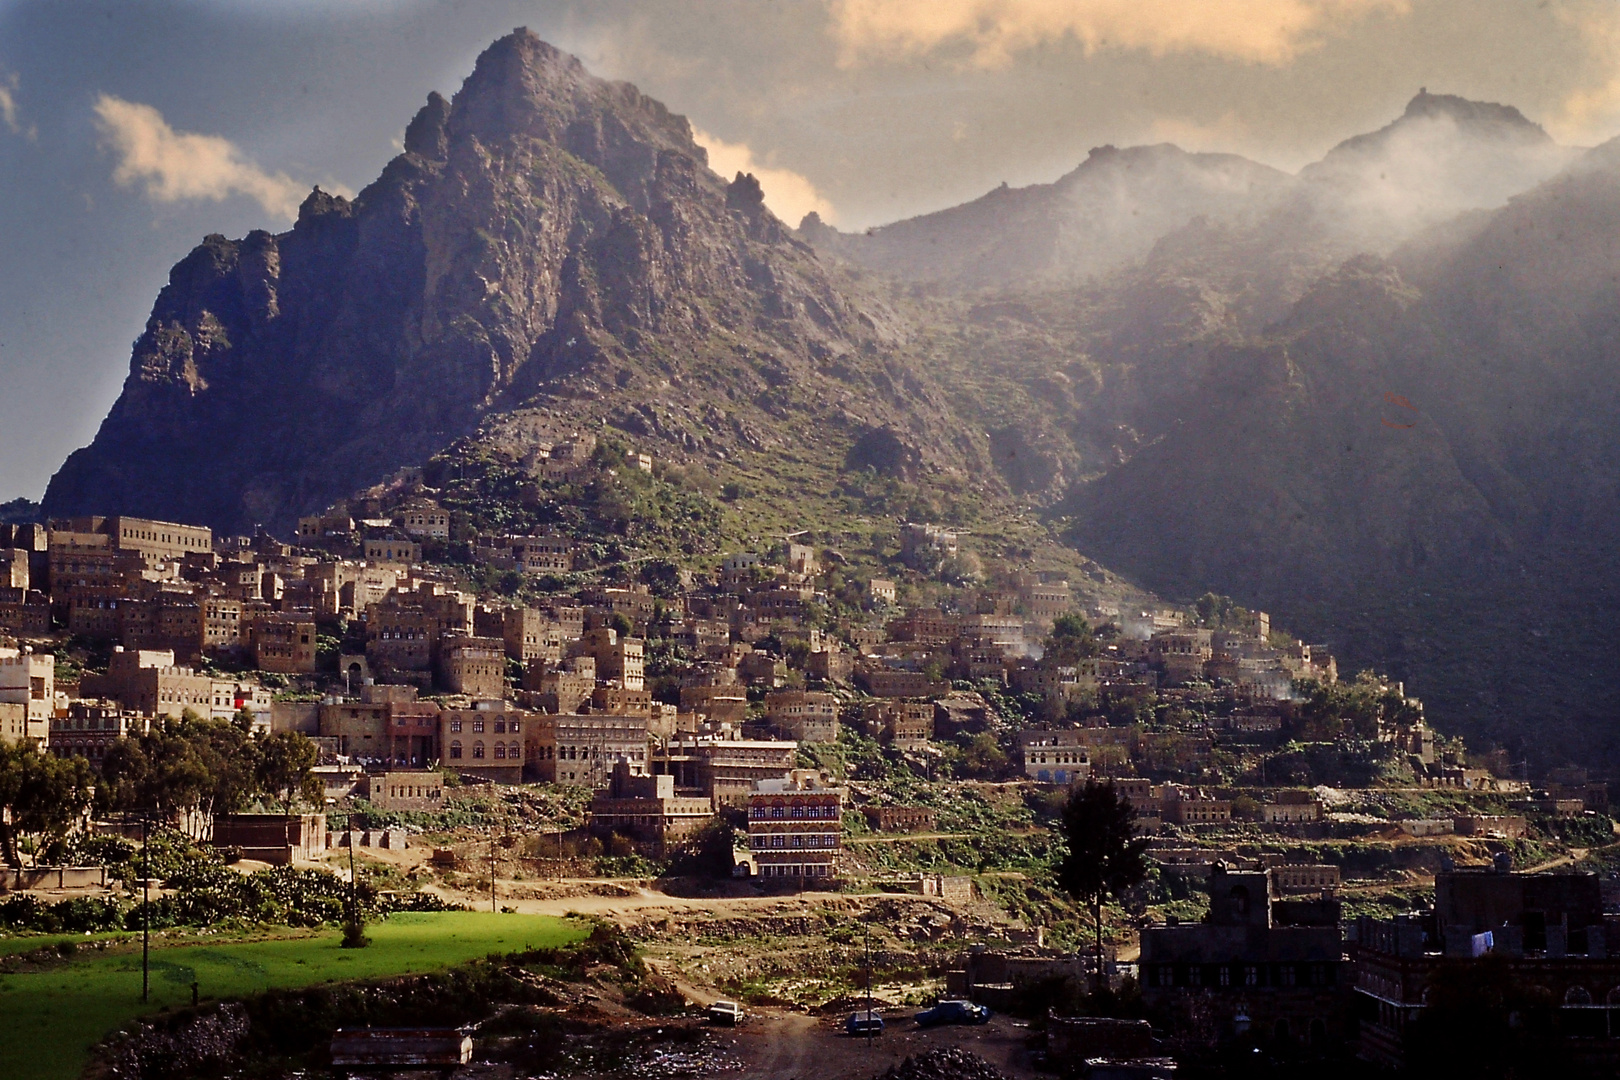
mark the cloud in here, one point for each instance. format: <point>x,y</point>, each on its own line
<point>10,114</point>
<point>1589,113</point>
<point>788,194</point>
<point>177,165</point>
<point>992,31</point>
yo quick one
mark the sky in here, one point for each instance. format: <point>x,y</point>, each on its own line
<point>130,129</point>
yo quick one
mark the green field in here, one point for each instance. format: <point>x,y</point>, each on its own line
<point>51,1018</point>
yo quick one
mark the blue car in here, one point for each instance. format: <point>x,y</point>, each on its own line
<point>864,1023</point>
<point>953,1012</point>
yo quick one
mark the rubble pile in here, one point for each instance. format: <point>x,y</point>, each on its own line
<point>949,1063</point>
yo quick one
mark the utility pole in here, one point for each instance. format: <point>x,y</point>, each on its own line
<point>868,1016</point>
<point>354,880</point>
<point>146,911</point>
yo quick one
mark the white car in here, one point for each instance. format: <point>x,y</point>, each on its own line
<point>728,1013</point>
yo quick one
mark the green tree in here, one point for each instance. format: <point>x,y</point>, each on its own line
<point>286,769</point>
<point>40,794</point>
<point>1105,856</point>
<point>193,768</point>
<point>983,757</point>
<point>1071,640</point>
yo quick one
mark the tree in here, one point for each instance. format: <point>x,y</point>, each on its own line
<point>39,794</point>
<point>983,757</point>
<point>1071,640</point>
<point>1105,857</point>
<point>286,769</point>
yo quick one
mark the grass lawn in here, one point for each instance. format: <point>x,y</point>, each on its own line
<point>52,1018</point>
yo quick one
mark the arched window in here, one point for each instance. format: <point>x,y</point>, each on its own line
<point>500,750</point>
<point>478,750</point>
<point>1577,995</point>
<point>1613,998</point>
<point>514,750</point>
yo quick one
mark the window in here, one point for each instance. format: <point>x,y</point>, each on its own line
<point>776,811</point>
<point>478,750</point>
<point>514,751</point>
<point>500,727</point>
<point>500,751</point>
<point>1577,995</point>
<point>455,750</point>
<point>512,727</point>
<point>478,727</point>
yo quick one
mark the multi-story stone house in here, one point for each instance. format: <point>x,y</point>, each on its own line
<point>1053,757</point>
<point>90,727</point>
<point>1259,966</point>
<point>285,644</point>
<point>795,827</point>
<point>618,659</point>
<point>473,666</point>
<point>648,809</point>
<point>807,716</point>
<point>583,749</point>
<point>423,517</point>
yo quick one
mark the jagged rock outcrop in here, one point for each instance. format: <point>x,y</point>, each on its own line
<point>546,235</point>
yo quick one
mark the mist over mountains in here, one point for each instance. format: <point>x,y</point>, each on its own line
<point>1376,398</point>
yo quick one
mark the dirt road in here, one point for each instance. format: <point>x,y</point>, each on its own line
<point>776,1045</point>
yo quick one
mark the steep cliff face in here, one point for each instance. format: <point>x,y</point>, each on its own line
<point>545,235</point>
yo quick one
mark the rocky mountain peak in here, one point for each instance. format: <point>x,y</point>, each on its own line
<point>546,234</point>
<point>1481,117</point>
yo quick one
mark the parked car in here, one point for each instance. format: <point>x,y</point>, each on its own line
<point>953,1012</point>
<point>728,1013</point>
<point>864,1023</point>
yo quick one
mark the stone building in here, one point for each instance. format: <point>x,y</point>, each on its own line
<point>795,827</point>
<point>423,517</point>
<point>90,727</point>
<point>807,716</point>
<point>725,770</point>
<point>473,666</point>
<point>647,808</point>
<point>583,749</point>
<point>1053,757</point>
<point>1259,964</point>
<point>285,644</point>
<point>28,680</point>
<point>900,818</point>
<point>492,740</point>
<point>415,790</point>
<point>1548,929</point>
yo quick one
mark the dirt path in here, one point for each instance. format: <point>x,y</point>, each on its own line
<point>775,1045</point>
<point>631,898</point>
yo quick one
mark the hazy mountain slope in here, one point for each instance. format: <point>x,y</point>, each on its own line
<point>1442,156</point>
<point>1105,214</point>
<point>1426,471</point>
<point>547,237</point>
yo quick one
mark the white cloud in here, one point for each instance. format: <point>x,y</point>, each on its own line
<point>992,31</point>
<point>788,194</point>
<point>10,114</point>
<point>176,165</point>
<point>1590,112</point>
